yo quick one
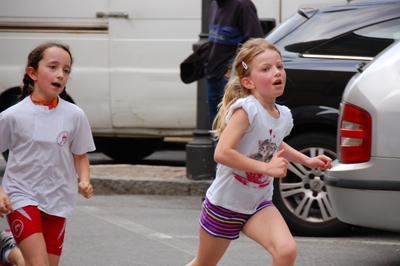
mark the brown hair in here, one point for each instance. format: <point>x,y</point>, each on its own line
<point>234,89</point>
<point>34,58</point>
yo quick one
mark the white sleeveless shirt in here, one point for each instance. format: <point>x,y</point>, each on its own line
<point>242,191</point>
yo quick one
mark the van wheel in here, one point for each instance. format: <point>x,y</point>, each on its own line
<point>127,150</point>
<point>5,155</point>
<point>9,98</point>
<point>301,196</point>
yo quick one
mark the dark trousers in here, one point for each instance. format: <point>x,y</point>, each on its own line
<point>215,92</point>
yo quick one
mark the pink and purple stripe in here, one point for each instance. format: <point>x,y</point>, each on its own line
<point>221,222</point>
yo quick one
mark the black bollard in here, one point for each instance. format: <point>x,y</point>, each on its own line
<point>200,164</point>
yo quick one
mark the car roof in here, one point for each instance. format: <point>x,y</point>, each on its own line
<point>385,8</point>
<point>351,4</point>
<point>328,22</point>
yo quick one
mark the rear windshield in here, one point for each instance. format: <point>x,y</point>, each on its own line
<point>285,28</point>
<point>368,41</point>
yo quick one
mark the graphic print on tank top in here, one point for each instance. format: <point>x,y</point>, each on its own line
<point>266,150</point>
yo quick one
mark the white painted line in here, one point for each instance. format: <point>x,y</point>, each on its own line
<point>139,229</point>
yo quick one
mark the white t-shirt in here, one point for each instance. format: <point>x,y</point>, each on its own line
<point>40,169</point>
<point>242,191</point>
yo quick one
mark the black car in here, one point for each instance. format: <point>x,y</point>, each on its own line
<point>322,48</point>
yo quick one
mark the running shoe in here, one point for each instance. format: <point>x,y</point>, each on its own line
<point>7,242</point>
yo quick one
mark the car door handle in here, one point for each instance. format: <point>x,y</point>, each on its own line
<point>112,15</point>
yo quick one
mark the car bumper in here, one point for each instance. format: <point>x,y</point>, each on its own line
<point>366,194</point>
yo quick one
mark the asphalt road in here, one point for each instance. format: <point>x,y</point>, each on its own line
<point>162,230</point>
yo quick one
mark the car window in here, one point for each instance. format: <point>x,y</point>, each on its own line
<point>365,42</point>
<point>285,28</point>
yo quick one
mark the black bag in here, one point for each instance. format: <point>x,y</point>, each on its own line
<point>192,68</point>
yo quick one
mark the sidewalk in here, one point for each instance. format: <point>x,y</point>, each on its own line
<point>145,179</point>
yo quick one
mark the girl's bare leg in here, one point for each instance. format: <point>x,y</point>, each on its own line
<point>34,250</point>
<point>16,257</point>
<point>211,249</point>
<point>269,229</point>
<point>54,260</point>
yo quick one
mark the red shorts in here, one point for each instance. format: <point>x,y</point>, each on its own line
<point>29,220</point>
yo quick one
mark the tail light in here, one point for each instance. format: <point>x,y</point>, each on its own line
<point>355,135</point>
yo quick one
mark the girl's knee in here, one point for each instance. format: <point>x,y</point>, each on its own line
<point>287,252</point>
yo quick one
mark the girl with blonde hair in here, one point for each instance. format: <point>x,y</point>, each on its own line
<point>250,152</point>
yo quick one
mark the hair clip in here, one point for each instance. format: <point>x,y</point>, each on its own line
<point>244,65</point>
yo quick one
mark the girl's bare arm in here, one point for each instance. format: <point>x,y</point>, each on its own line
<point>82,167</point>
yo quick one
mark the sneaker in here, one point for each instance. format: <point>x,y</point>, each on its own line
<point>7,242</point>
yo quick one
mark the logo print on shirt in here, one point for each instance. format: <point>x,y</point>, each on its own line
<point>17,227</point>
<point>265,152</point>
<point>62,138</point>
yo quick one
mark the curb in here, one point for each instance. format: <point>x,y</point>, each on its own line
<point>145,180</point>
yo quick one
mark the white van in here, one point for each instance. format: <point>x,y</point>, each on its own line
<point>126,53</point>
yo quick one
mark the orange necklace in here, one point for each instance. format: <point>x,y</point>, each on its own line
<point>51,104</point>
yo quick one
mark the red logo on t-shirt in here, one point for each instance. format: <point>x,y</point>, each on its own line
<point>62,138</point>
<point>253,180</point>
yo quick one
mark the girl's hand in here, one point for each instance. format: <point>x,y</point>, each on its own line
<point>86,189</point>
<point>277,167</point>
<point>322,161</point>
<point>5,203</point>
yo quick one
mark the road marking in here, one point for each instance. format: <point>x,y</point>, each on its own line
<point>344,240</point>
<point>174,242</point>
<point>139,229</point>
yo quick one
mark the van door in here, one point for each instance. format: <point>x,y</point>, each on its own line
<point>26,24</point>
<point>146,49</point>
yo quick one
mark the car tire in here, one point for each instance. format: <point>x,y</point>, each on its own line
<point>5,155</point>
<point>127,150</point>
<point>301,196</point>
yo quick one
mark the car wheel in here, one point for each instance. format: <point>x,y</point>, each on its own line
<point>301,196</point>
<point>127,150</point>
<point>9,98</point>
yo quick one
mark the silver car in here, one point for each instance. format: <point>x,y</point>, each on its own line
<point>364,184</point>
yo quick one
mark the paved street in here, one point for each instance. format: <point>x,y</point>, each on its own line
<point>162,230</point>
<point>144,230</point>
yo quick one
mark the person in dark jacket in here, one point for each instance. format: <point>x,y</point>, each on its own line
<point>232,22</point>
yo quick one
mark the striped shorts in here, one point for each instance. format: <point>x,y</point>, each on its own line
<point>221,222</point>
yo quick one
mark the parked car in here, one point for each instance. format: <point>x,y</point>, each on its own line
<point>364,184</point>
<point>322,49</point>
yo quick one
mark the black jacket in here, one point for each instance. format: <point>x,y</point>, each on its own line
<point>231,22</point>
<point>192,68</point>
